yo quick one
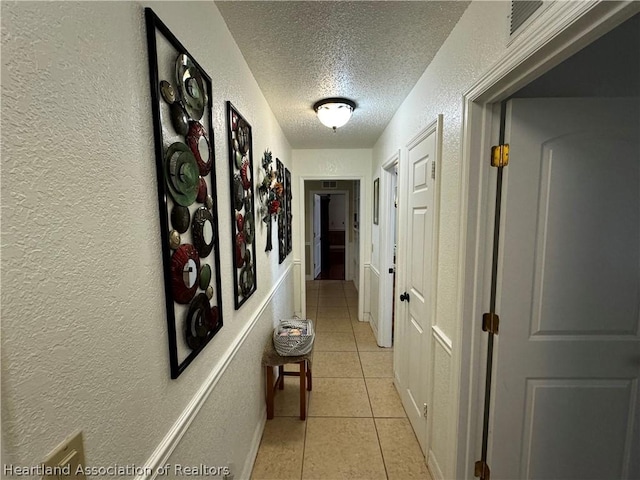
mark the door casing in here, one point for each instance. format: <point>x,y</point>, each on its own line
<point>348,226</point>
<point>302,202</point>
<point>387,230</point>
<point>561,30</point>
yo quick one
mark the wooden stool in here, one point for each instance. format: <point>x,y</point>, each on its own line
<point>271,358</point>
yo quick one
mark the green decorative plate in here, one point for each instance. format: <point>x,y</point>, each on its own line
<point>182,174</point>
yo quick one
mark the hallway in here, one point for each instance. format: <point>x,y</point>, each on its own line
<point>356,426</point>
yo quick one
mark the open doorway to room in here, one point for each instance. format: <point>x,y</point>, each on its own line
<point>388,244</point>
<point>346,253</point>
<point>331,229</point>
<point>329,236</point>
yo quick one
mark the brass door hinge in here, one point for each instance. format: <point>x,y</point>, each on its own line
<point>490,323</point>
<point>482,470</point>
<point>500,155</point>
<point>425,410</point>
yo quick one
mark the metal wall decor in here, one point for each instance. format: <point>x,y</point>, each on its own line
<point>376,200</point>
<point>287,209</point>
<point>282,230</point>
<point>269,191</point>
<point>185,166</point>
<point>242,208</point>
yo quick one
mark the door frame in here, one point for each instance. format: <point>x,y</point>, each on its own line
<point>384,331</point>
<point>302,203</point>
<point>316,268</point>
<point>348,224</point>
<point>558,32</point>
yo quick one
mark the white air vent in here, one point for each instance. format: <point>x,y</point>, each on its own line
<point>521,10</point>
<point>329,184</point>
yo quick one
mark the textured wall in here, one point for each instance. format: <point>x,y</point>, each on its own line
<point>468,52</point>
<point>84,340</point>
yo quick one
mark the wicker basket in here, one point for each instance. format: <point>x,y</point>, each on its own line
<point>289,345</point>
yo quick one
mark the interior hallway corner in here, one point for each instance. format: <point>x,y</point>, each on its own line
<point>356,427</point>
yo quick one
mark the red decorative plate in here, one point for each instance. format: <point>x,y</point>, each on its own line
<point>245,175</point>
<point>198,142</point>
<point>185,266</point>
<point>240,249</point>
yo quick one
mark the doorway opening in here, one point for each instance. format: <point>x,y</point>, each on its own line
<point>581,86</point>
<point>330,236</point>
<point>384,331</point>
<point>331,230</point>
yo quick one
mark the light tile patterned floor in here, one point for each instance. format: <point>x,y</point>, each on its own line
<point>356,427</point>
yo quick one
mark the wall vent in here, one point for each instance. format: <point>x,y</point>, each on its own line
<point>521,10</point>
<point>329,184</point>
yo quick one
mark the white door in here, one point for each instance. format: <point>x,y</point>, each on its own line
<point>317,250</point>
<point>415,310</point>
<point>568,349</point>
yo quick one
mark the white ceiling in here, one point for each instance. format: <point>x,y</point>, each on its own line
<point>371,52</point>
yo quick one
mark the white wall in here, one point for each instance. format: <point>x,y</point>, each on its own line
<point>330,164</point>
<point>336,212</point>
<point>468,52</point>
<point>84,335</point>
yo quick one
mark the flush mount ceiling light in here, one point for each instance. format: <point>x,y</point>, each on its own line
<point>334,112</point>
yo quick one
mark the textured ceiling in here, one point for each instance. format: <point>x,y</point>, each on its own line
<point>370,52</point>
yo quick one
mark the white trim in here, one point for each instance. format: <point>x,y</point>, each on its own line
<point>255,445</point>
<point>434,468</point>
<point>308,277</point>
<point>422,134</point>
<point>299,290</point>
<point>548,41</point>
<point>374,325</point>
<point>556,34</point>
<point>386,235</point>
<point>442,338</point>
<point>171,440</point>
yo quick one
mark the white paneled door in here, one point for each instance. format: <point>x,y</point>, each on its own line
<point>415,308</point>
<point>566,402</point>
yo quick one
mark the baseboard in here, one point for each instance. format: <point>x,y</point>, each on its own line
<point>171,440</point>
<point>255,445</point>
<point>434,468</point>
<point>374,327</point>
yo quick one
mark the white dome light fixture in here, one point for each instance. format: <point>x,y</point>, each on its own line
<point>334,112</point>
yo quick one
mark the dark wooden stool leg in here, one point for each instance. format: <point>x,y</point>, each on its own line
<point>269,392</point>
<point>303,390</point>
<point>308,376</point>
<point>281,377</point>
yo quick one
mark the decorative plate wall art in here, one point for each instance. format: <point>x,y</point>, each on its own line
<point>268,190</point>
<point>282,231</point>
<point>287,209</point>
<point>242,214</point>
<point>185,166</point>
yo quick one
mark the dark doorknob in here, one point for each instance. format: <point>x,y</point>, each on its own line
<point>404,297</point>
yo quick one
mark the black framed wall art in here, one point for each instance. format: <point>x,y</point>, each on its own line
<point>243,228</point>
<point>181,93</point>
<point>287,208</point>
<point>376,200</point>
<point>282,231</point>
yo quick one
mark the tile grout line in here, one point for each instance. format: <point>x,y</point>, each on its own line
<point>373,417</point>
<point>306,422</point>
